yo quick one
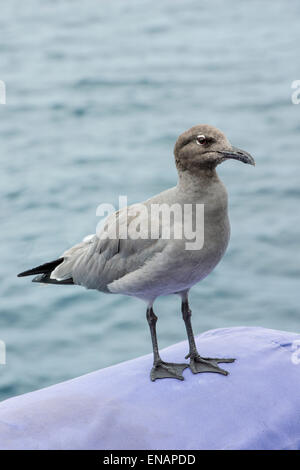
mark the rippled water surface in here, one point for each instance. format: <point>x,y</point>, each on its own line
<point>97,93</point>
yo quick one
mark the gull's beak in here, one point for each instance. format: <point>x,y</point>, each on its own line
<point>238,154</point>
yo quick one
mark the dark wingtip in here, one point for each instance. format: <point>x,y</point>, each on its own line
<point>42,269</point>
<point>24,273</point>
<point>42,273</point>
<point>46,279</point>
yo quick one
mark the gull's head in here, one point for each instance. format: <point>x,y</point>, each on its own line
<point>204,147</point>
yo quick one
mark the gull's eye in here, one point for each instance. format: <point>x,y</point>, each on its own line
<point>201,140</point>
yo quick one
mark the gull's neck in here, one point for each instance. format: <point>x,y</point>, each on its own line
<point>197,183</point>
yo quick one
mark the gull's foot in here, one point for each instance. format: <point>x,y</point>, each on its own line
<point>163,370</point>
<point>200,364</point>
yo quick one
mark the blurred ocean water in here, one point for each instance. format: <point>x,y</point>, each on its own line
<point>97,93</point>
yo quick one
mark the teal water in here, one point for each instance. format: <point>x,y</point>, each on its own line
<point>97,93</point>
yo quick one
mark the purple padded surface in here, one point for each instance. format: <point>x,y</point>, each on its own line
<point>256,407</point>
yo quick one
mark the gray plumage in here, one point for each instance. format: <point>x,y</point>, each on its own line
<point>148,268</point>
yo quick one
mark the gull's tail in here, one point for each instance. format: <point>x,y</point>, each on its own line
<point>44,272</point>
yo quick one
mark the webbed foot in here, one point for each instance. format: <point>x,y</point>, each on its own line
<point>163,370</point>
<point>200,364</point>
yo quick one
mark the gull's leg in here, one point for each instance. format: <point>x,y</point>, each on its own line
<point>161,369</point>
<point>198,363</point>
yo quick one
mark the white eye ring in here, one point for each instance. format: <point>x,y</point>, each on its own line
<point>200,139</point>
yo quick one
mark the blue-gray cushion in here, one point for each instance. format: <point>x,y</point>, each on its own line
<point>256,407</point>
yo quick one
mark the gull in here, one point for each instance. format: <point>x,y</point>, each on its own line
<point>148,266</point>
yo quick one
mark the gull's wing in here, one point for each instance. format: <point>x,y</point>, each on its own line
<point>102,261</point>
